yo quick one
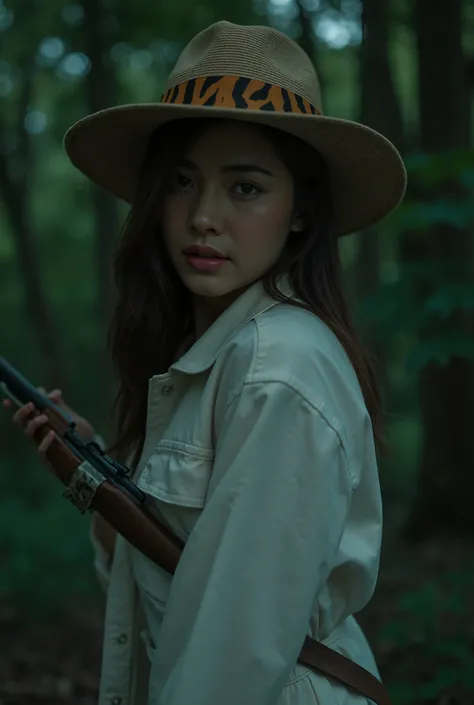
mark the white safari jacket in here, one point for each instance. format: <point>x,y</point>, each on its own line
<point>259,453</point>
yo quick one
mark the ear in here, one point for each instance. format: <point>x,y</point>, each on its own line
<point>298,223</point>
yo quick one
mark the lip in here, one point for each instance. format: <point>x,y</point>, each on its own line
<point>205,251</point>
<point>205,264</point>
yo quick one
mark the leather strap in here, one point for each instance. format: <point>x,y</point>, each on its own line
<point>331,663</point>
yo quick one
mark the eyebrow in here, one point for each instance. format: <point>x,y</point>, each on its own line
<point>239,168</point>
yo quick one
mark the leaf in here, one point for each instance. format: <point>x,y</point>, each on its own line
<point>422,600</point>
<point>421,215</point>
<point>458,648</point>
<point>451,297</point>
<point>436,169</point>
<point>403,693</point>
<point>396,632</point>
<point>467,179</point>
<point>445,678</point>
<point>440,350</point>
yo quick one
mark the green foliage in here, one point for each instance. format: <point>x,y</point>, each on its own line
<point>397,306</point>
<point>46,542</point>
<point>430,623</point>
<point>437,169</point>
<point>440,350</point>
<point>422,215</point>
<point>428,297</point>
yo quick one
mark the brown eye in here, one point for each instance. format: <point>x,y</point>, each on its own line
<point>179,182</point>
<point>183,181</point>
<point>245,188</point>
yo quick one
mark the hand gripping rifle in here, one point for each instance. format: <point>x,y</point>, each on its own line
<point>94,481</point>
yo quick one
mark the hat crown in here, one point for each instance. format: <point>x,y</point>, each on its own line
<point>249,51</point>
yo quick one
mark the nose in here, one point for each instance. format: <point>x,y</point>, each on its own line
<point>207,216</point>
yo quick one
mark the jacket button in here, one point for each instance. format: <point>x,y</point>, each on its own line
<point>115,701</point>
<point>122,639</point>
<point>167,389</point>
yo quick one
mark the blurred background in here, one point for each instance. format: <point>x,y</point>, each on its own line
<point>404,67</point>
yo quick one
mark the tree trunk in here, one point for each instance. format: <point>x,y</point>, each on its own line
<point>380,110</point>
<point>15,185</point>
<point>307,40</point>
<point>101,92</point>
<point>446,481</point>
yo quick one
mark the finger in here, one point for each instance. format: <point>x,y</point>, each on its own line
<point>33,425</point>
<point>46,442</point>
<point>6,403</point>
<point>56,395</point>
<point>20,415</point>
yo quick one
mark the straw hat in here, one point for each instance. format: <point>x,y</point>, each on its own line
<point>259,75</point>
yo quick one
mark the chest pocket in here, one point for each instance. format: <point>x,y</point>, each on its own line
<point>178,473</point>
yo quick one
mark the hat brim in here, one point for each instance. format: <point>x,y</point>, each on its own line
<point>368,177</point>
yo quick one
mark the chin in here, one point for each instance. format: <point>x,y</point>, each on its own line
<point>208,286</point>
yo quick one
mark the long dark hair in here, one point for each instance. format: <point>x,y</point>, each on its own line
<point>153,310</point>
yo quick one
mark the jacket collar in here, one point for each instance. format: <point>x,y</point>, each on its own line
<point>253,302</point>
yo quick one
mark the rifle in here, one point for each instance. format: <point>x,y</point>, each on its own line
<point>94,481</point>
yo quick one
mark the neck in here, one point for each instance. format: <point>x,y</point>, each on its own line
<point>206,310</point>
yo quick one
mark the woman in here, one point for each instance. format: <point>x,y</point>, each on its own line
<point>247,407</point>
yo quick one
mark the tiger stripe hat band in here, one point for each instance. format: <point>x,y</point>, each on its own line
<point>238,92</point>
<point>254,74</point>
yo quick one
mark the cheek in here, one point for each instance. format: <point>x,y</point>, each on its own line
<point>272,221</point>
<point>172,221</point>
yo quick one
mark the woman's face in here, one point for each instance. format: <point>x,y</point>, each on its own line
<point>231,192</point>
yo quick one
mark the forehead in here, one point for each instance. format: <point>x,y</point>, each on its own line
<point>225,140</point>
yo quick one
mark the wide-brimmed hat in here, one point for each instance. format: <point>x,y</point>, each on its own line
<point>259,75</point>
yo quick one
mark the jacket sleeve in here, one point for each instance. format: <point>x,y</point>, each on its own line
<point>242,596</point>
<point>102,560</point>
